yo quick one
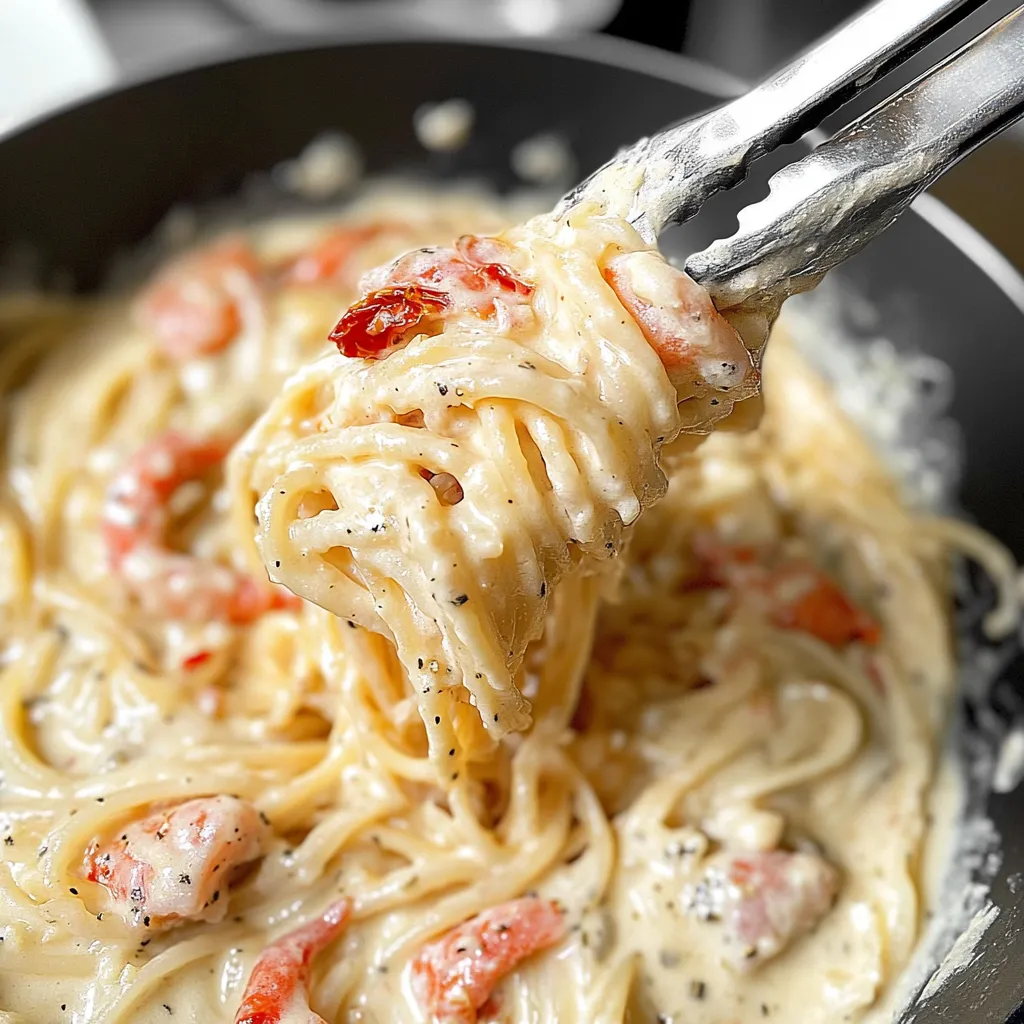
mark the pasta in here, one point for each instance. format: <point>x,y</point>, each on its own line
<point>725,715</point>
<point>543,407</point>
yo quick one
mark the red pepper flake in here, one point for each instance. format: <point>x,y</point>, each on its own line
<point>193,661</point>
<point>378,322</point>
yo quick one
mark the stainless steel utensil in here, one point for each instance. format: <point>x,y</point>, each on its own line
<point>827,206</point>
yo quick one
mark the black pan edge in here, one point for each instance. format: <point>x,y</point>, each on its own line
<point>608,50</point>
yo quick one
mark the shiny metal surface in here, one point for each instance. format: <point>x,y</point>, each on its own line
<point>681,168</point>
<point>829,205</point>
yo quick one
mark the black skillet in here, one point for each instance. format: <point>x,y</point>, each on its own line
<point>85,183</point>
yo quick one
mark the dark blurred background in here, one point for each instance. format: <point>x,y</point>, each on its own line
<point>745,37</point>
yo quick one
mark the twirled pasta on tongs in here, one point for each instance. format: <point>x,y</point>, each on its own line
<point>491,423</point>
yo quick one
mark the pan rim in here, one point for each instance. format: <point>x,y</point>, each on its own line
<point>965,237</point>
<point>599,49</point>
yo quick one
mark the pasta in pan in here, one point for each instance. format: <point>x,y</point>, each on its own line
<point>221,803</point>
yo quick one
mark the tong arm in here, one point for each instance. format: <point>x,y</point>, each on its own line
<point>669,176</point>
<point>829,205</point>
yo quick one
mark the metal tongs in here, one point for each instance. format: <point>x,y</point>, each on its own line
<point>830,204</point>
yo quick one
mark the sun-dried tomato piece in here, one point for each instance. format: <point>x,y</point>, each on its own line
<point>380,321</point>
<point>505,278</point>
<point>476,276</point>
<point>481,253</point>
